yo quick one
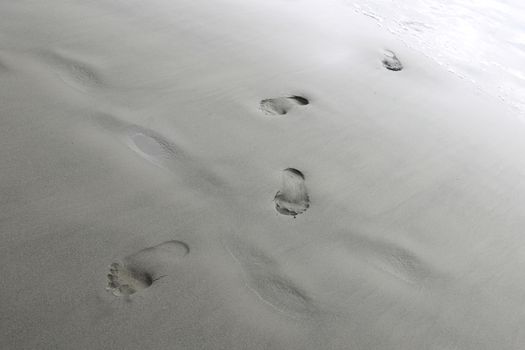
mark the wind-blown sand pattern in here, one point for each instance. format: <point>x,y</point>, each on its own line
<point>154,154</point>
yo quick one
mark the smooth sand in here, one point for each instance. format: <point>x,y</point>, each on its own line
<point>127,126</point>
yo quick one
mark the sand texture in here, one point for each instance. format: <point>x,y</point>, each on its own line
<point>230,174</point>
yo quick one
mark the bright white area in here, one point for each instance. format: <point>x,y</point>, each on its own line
<point>481,41</point>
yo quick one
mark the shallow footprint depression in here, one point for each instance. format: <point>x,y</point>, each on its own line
<point>264,277</point>
<point>151,146</point>
<point>281,293</point>
<point>74,72</point>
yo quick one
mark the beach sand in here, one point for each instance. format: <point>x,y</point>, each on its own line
<point>249,175</point>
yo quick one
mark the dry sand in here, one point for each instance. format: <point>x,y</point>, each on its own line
<point>150,148</point>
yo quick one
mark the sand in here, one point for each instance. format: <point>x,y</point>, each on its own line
<point>249,175</point>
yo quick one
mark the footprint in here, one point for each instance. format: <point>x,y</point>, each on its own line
<point>391,62</point>
<point>74,72</point>
<point>282,105</point>
<point>280,292</point>
<point>126,280</point>
<point>292,199</point>
<point>160,151</point>
<point>151,145</point>
<point>398,261</point>
<point>265,278</point>
<point>140,270</point>
<point>145,142</point>
<point>401,264</point>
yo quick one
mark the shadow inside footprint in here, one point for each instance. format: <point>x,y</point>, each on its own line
<point>292,199</point>
<point>140,270</point>
<point>282,105</point>
<point>391,62</point>
<point>126,280</point>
